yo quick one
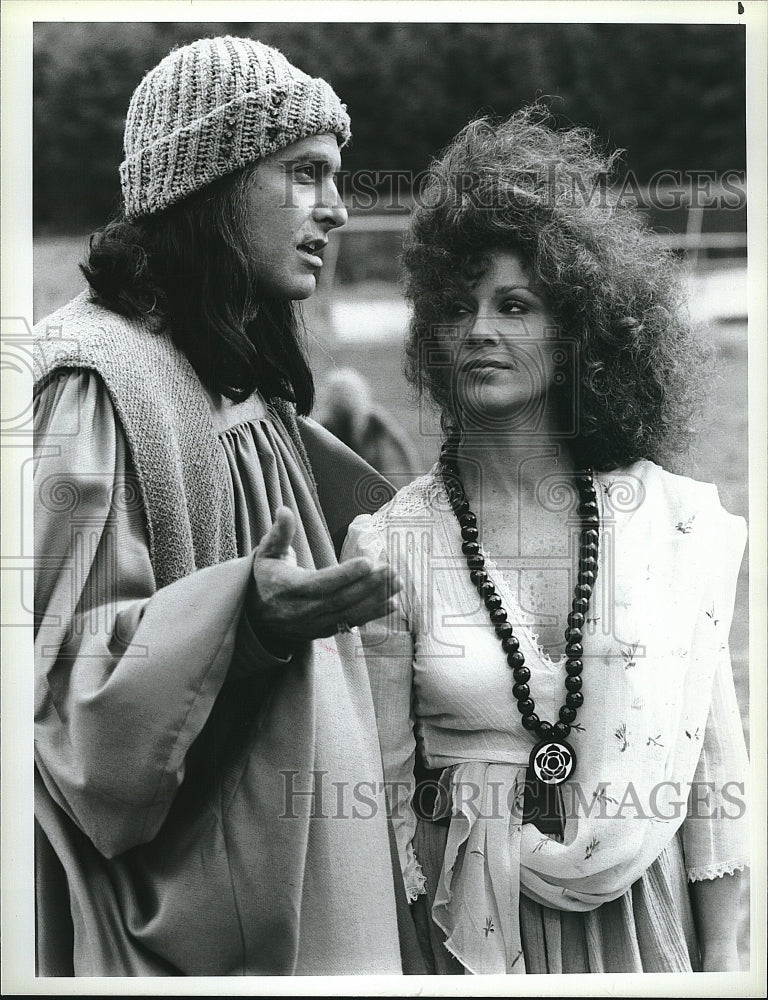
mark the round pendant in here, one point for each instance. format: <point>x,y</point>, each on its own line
<point>553,761</point>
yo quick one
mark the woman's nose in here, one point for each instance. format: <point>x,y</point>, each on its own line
<point>485,330</point>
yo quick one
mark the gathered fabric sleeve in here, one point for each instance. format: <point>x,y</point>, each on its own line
<point>126,674</point>
<point>389,651</point>
<point>716,835</point>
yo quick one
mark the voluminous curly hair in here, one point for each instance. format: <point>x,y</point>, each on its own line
<point>522,185</point>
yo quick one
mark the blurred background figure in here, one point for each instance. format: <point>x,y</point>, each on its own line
<point>691,179</point>
<point>409,87</point>
<point>161,750</point>
<point>347,408</point>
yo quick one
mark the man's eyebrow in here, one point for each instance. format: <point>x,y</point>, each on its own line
<point>323,162</point>
<point>316,154</point>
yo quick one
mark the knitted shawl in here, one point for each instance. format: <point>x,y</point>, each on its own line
<point>180,466</point>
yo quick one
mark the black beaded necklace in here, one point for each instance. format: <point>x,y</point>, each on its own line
<point>552,759</point>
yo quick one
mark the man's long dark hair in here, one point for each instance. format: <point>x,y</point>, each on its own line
<point>189,266</point>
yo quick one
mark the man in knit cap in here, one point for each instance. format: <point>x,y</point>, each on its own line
<point>208,781</point>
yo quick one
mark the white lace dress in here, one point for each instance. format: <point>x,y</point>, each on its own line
<point>659,794</point>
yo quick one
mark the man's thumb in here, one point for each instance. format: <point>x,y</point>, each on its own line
<point>277,541</point>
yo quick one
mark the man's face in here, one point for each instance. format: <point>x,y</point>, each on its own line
<point>293,204</point>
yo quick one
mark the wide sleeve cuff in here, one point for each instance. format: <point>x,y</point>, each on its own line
<point>252,654</point>
<point>716,832</point>
<point>709,872</point>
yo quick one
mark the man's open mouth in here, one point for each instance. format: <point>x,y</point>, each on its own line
<point>314,250</point>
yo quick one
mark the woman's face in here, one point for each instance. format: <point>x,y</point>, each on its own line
<point>508,352</point>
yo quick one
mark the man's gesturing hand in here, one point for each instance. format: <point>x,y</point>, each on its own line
<point>294,604</point>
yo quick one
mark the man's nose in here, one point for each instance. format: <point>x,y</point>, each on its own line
<point>330,207</point>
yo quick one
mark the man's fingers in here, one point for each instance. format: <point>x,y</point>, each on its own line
<point>364,601</point>
<point>370,610</point>
<point>324,583</point>
<point>299,603</point>
<point>376,587</point>
<point>363,611</point>
<point>276,543</point>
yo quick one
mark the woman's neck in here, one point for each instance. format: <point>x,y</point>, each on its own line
<point>493,464</point>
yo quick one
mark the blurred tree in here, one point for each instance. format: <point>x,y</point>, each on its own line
<point>672,95</point>
<point>622,78</point>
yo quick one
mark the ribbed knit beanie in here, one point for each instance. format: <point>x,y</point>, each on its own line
<point>212,107</point>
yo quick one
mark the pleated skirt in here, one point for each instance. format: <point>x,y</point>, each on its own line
<point>648,929</point>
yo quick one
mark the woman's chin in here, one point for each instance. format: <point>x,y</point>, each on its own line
<point>497,410</point>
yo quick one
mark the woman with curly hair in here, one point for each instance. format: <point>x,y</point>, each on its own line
<point>561,738</point>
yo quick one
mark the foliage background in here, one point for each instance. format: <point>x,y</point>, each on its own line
<point>672,95</point>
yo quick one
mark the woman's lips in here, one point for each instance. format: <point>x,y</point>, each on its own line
<point>489,366</point>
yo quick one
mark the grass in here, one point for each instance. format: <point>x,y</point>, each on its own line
<point>371,342</point>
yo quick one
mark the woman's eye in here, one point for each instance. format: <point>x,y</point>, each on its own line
<point>457,309</point>
<point>513,307</point>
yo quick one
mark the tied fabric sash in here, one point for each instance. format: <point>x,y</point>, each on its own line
<point>477,896</point>
<point>490,857</point>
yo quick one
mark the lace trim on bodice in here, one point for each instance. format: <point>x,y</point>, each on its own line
<point>520,619</point>
<point>412,500</point>
<point>428,493</point>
